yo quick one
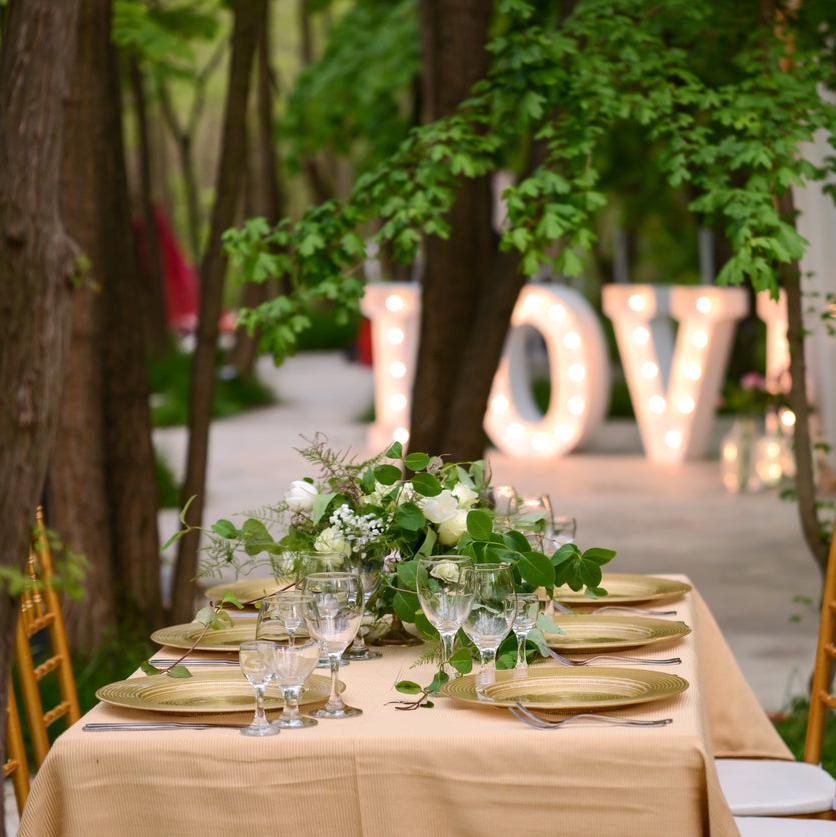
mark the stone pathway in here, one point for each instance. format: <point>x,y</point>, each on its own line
<point>744,553</point>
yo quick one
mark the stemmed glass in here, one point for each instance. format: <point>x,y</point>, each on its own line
<point>533,510</point>
<point>256,659</point>
<point>293,665</point>
<point>492,614</point>
<point>280,615</point>
<point>445,590</point>
<point>565,528</point>
<point>369,569</point>
<point>525,618</point>
<point>333,616</point>
<point>322,562</point>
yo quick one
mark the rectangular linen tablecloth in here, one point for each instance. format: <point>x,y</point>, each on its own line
<point>452,770</point>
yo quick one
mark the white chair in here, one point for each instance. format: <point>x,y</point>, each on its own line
<point>783,827</point>
<point>770,788</point>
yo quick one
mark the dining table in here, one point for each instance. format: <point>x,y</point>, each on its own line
<point>453,769</point>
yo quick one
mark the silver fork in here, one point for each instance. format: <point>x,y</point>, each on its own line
<point>195,662</point>
<point>566,661</point>
<point>527,716</point>
<point>637,611</point>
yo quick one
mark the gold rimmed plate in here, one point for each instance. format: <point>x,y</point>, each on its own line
<point>220,639</point>
<point>598,633</point>
<point>569,689</point>
<point>626,589</point>
<point>248,589</point>
<point>205,691</point>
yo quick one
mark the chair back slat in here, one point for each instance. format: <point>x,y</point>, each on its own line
<point>822,698</point>
<point>40,609</point>
<point>16,765</point>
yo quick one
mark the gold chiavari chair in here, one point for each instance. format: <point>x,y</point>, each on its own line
<point>16,765</point>
<point>40,608</point>
<point>762,792</point>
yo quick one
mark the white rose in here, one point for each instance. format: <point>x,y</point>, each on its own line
<point>439,508</point>
<point>466,496</point>
<point>330,540</point>
<point>300,496</point>
<point>453,528</point>
<point>446,571</point>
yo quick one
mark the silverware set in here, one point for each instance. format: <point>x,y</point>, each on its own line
<point>153,725</point>
<point>539,722</point>
<point>566,661</point>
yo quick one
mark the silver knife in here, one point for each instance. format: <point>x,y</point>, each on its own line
<point>153,725</point>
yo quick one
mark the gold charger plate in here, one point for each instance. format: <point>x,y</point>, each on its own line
<point>569,689</point>
<point>247,589</point>
<point>596,633</point>
<point>626,589</point>
<point>221,639</point>
<point>205,691</point>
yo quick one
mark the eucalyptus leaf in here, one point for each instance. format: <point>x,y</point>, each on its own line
<point>462,660</point>
<point>426,547</point>
<point>320,505</point>
<point>179,672</point>
<point>479,524</point>
<point>408,516</point>
<point>536,569</point>
<point>426,485</point>
<point>205,615</point>
<point>547,625</point>
<point>408,687</point>
<point>149,669</point>
<point>185,509</point>
<point>173,539</point>
<point>424,626</point>
<point>416,461</point>
<point>407,572</point>
<point>406,605</point>
<point>441,677</point>
<point>230,598</point>
<point>387,474</point>
<point>599,555</point>
<point>394,451</point>
<point>225,528</point>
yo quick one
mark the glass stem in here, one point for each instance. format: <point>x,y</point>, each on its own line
<point>334,700</point>
<point>521,660</point>
<point>291,704</point>
<point>359,643</point>
<point>260,718</point>
<point>447,641</point>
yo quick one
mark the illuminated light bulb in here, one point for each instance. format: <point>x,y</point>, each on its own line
<point>649,369</point>
<point>532,303</point>
<point>516,430</point>
<point>641,336</point>
<point>394,302</point>
<point>499,404</point>
<point>703,304</point>
<point>395,336</point>
<point>657,405</point>
<point>397,369</point>
<point>563,432</point>
<point>576,405</point>
<point>693,371</point>
<point>685,404</point>
<point>577,372</point>
<point>398,401</point>
<point>773,449</point>
<point>541,442</point>
<point>699,339</point>
<point>401,435</point>
<point>637,302</point>
<point>730,452</point>
<point>787,418</point>
<point>556,312</point>
<point>572,340</point>
<point>673,438</point>
<point>774,471</point>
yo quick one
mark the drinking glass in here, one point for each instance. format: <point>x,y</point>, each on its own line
<point>293,665</point>
<point>565,529</point>
<point>322,562</point>
<point>445,590</point>
<point>280,615</point>
<point>492,614</point>
<point>333,616</point>
<point>369,569</point>
<point>533,510</point>
<point>256,659</point>
<point>525,618</point>
<point>503,499</point>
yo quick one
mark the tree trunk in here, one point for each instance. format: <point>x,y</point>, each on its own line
<point>248,15</point>
<point>36,266</point>
<point>460,269</point>
<point>105,421</point>
<point>267,193</point>
<point>154,315</point>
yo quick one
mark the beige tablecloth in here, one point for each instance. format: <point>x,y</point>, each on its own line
<point>452,770</point>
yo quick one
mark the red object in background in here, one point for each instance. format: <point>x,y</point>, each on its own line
<point>364,343</point>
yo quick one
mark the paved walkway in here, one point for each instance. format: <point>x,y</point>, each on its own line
<point>744,552</point>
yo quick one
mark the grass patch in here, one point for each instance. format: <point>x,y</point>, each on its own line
<point>170,376</point>
<point>792,727</point>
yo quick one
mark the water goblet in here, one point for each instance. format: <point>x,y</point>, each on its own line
<point>323,562</point>
<point>565,529</point>
<point>504,500</point>
<point>280,615</point>
<point>445,591</point>
<point>492,614</point>
<point>293,665</point>
<point>369,569</point>
<point>536,513</point>
<point>256,659</point>
<point>333,616</point>
<point>525,618</point>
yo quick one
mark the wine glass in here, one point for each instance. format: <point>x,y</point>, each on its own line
<point>333,616</point>
<point>256,659</point>
<point>525,618</point>
<point>445,590</point>
<point>280,615</point>
<point>322,562</point>
<point>565,529</point>
<point>369,569</point>
<point>492,614</point>
<point>503,499</point>
<point>293,665</point>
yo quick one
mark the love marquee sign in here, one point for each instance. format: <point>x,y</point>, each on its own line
<point>674,382</point>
